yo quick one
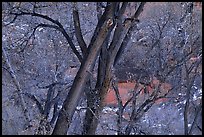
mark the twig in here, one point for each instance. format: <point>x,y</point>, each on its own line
<point>78,32</point>
<point>16,82</point>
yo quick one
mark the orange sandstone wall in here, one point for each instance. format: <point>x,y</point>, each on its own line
<point>125,89</point>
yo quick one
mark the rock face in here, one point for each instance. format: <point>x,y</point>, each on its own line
<point>70,73</point>
<point>126,81</point>
<point>133,74</point>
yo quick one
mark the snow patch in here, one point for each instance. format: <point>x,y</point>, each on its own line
<point>40,29</point>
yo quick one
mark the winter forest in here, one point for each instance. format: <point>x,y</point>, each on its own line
<point>102,68</point>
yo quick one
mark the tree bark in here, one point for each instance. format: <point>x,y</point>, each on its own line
<point>70,103</point>
<point>92,96</point>
<point>100,98</point>
<point>118,37</point>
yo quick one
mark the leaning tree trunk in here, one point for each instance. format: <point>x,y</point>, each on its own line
<point>101,96</point>
<point>70,103</point>
<point>92,95</point>
<point>118,44</point>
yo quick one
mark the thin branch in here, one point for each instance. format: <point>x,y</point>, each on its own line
<point>38,15</point>
<point>139,11</point>
<point>99,7</point>
<point>48,102</point>
<point>15,17</point>
<point>77,28</point>
<point>189,84</point>
<point>123,44</point>
<point>33,97</point>
<point>132,117</point>
<point>194,65</point>
<point>60,28</point>
<point>90,110</point>
<point>55,114</point>
<point>198,109</point>
<point>131,28</point>
<point>199,127</point>
<point>16,82</point>
<point>122,10</point>
<point>118,34</point>
<point>120,106</point>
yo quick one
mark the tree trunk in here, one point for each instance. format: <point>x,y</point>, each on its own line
<point>92,96</point>
<point>117,41</point>
<point>100,104</point>
<point>70,103</point>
